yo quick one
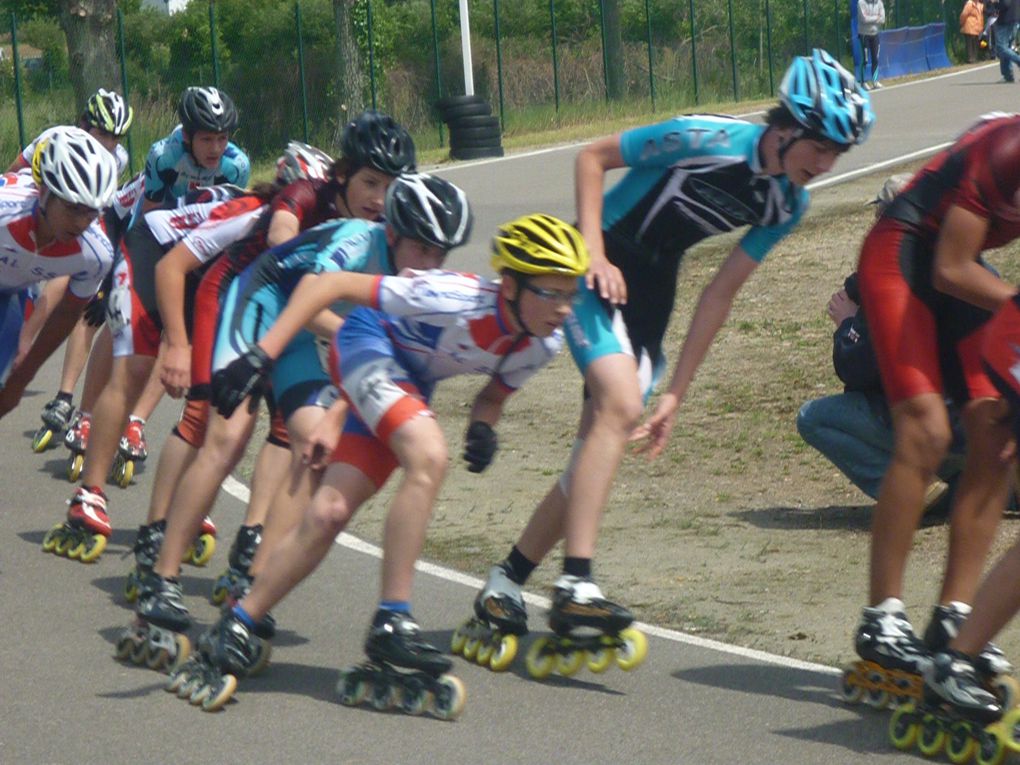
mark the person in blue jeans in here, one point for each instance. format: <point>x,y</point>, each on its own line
<point>1005,29</point>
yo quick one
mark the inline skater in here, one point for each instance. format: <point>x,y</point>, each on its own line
<point>688,178</point>
<point>50,224</point>
<point>928,299</point>
<point>427,327</point>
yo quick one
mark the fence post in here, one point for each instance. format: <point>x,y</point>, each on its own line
<point>435,56</point>
<point>371,53</point>
<point>499,64</point>
<point>836,49</point>
<point>733,52</point>
<point>605,59</point>
<point>694,54</point>
<point>212,42</point>
<point>768,45</point>
<point>16,61</point>
<point>807,49</point>
<point>651,60</point>
<point>301,70</point>
<point>555,62</point>
<point>124,84</point>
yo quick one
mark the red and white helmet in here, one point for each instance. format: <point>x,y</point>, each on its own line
<point>301,161</point>
<point>75,166</point>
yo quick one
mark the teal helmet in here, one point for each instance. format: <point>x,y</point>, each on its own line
<point>826,99</point>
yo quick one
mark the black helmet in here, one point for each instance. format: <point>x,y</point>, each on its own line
<point>429,209</point>
<point>207,109</point>
<point>373,139</point>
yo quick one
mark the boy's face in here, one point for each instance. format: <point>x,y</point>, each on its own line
<point>208,147</point>
<point>109,141</point>
<point>421,256</point>
<point>66,220</point>
<point>544,302</point>
<point>809,158</point>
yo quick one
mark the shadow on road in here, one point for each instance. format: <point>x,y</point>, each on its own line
<point>831,518</point>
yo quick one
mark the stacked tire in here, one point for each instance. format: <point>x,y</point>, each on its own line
<point>474,131</point>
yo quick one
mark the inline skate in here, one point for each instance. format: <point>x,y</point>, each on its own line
<point>587,629</point>
<point>956,713</point>
<point>131,450</point>
<point>56,417</point>
<point>83,535</point>
<point>892,659</point>
<point>77,440</point>
<point>402,671</point>
<point>201,550</point>
<point>992,666</point>
<point>157,636</point>
<point>242,553</point>
<point>227,651</point>
<point>148,542</point>
<point>490,637</point>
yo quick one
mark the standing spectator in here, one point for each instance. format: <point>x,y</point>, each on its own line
<point>870,18</point>
<point>1005,28</point>
<point>972,23</point>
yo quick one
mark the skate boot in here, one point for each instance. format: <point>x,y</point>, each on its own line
<point>56,417</point>
<point>992,666</point>
<point>587,629</point>
<point>201,550</point>
<point>227,651</point>
<point>957,712</point>
<point>402,671</point>
<point>83,535</point>
<point>77,440</point>
<point>147,545</point>
<point>490,636</point>
<point>156,637</point>
<point>892,658</point>
<point>132,450</point>
<point>242,553</point>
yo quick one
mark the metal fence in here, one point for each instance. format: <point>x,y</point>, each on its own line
<point>541,63</point>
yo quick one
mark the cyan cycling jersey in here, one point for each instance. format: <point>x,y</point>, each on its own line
<point>171,171</point>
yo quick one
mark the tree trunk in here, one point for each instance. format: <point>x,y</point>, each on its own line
<point>616,79</point>
<point>90,27</point>
<point>351,81</point>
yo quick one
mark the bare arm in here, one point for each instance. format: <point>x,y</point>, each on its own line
<point>590,170</point>
<point>957,271</point>
<point>283,226</point>
<point>488,404</point>
<point>171,273</point>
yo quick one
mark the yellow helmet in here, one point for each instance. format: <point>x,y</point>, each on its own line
<point>539,245</point>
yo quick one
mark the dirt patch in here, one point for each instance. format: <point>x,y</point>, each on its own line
<point>739,531</point>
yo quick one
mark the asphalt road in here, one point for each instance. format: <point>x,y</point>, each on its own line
<point>63,698</point>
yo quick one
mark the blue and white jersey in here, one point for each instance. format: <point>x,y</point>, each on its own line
<point>693,177</point>
<point>444,323</point>
<point>171,171</point>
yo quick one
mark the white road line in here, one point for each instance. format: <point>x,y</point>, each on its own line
<point>238,490</point>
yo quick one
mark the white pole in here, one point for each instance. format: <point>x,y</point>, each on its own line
<point>465,47</point>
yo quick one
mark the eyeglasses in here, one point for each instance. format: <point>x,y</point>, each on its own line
<point>560,297</point>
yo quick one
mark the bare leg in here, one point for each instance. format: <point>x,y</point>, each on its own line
<point>97,373</point>
<point>76,353</point>
<point>152,394</point>
<point>175,459</point>
<point>997,602</point>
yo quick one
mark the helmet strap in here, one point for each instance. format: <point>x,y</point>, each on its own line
<point>785,146</point>
<point>515,304</point>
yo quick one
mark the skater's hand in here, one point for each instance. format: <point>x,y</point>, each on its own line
<point>480,445</point>
<point>841,307</point>
<point>95,310</point>
<point>656,430</point>
<point>606,280</point>
<point>175,373</point>
<point>242,378</point>
<point>320,445</point>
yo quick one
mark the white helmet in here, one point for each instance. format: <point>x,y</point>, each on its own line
<point>75,166</point>
<point>301,161</point>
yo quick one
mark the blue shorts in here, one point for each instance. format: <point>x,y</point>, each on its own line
<point>299,378</point>
<point>12,317</point>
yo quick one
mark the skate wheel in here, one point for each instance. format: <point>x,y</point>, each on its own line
<point>903,728</point>
<point>139,652</point>
<point>91,552</point>
<point>219,593</point>
<point>601,660</point>
<point>219,695</point>
<point>49,541</point>
<point>960,743</point>
<point>351,689</point>
<point>567,664</point>
<point>75,550</point>
<point>131,588</point>
<point>633,651</point>
<point>541,658</point>
<point>876,698</point>
<point>414,697</point>
<point>385,696</point>
<point>64,543</point>
<point>202,550</point>
<point>450,698</point>
<point>262,659</point>
<point>157,659</point>
<point>504,654</point>
<point>471,648</point>
<point>123,472</point>
<point>484,653</point>
<point>1007,690</point>
<point>459,639</point>
<point>74,466</point>
<point>179,676</point>
<point>991,750</point>
<point>124,647</point>
<point>931,738</point>
<point>42,439</point>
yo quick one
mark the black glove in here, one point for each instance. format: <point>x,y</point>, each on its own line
<point>480,445</point>
<point>95,310</point>
<point>241,378</point>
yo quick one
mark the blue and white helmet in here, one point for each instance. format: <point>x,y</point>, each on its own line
<point>826,99</point>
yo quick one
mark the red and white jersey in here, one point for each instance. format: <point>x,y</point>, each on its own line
<point>85,259</point>
<point>444,323</point>
<point>207,228</point>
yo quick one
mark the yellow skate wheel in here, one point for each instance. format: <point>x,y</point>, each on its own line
<point>960,743</point>
<point>262,660</point>
<point>485,650</point>
<point>471,648</point>
<point>124,646</point>
<point>567,664</point>
<point>991,749</point>
<point>903,728</point>
<point>93,551</point>
<point>504,654</point>
<point>202,549</point>
<point>219,593</point>
<point>74,466</point>
<point>158,659</point>
<point>123,472</point>
<point>1007,690</point>
<point>601,660</point>
<point>220,695</point>
<point>633,651</point>
<point>42,439</point>
<point>449,698</point>
<point>459,639</point>
<point>931,738</point>
<point>64,543</point>
<point>52,537</point>
<point>77,548</point>
<point>130,589</point>
<point>541,658</point>
<point>183,646</point>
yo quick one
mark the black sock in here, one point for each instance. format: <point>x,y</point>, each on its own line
<point>63,396</point>
<point>518,568</point>
<point>577,567</point>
